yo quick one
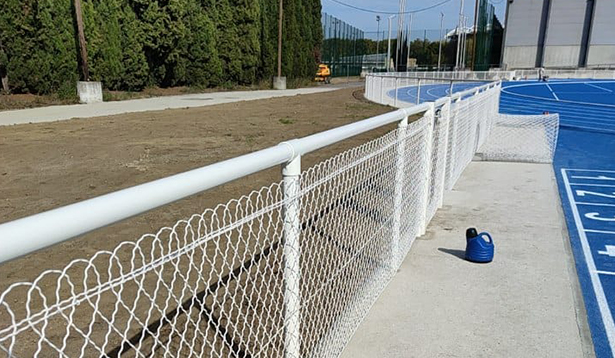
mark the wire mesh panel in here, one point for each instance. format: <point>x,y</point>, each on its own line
<point>229,282</point>
<point>522,138</point>
<point>287,271</point>
<point>470,126</point>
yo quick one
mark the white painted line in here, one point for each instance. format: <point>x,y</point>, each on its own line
<point>604,185</point>
<point>596,204</point>
<point>552,92</point>
<point>605,312</point>
<point>600,232</point>
<point>599,177</point>
<point>602,88</point>
<point>504,90</point>
<point>589,170</point>
<point>605,273</point>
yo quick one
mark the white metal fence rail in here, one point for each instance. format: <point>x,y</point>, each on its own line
<point>513,138</point>
<point>286,271</point>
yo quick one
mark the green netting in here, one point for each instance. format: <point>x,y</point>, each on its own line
<point>343,47</point>
<point>488,37</point>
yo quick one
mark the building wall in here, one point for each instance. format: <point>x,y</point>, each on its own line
<point>522,33</point>
<point>559,33</point>
<point>602,40</point>
<point>565,33</point>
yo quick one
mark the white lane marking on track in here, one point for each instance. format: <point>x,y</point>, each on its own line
<point>587,192</point>
<point>505,90</point>
<point>589,170</point>
<point>605,312</point>
<point>552,92</point>
<point>597,217</point>
<point>603,185</point>
<point>600,232</point>
<point>602,88</point>
<point>609,251</point>
<point>595,204</point>
<point>606,273</point>
<point>599,177</point>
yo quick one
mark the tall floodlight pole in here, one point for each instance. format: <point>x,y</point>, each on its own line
<point>440,46</point>
<point>378,40</point>
<point>459,30</point>
<point>409,39</point>
<point>400,32</point>
<point>389,46</point>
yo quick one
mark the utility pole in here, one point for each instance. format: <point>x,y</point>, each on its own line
<point>4,77</point>
<point>82,44</point>
<point>378,40</point>
<point>389,47</point>
<point>440,46</point>
<point>280,24</point>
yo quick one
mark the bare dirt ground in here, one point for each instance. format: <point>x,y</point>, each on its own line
<point>44,166</point>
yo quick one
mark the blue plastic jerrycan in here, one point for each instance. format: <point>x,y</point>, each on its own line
<point>479,247</point>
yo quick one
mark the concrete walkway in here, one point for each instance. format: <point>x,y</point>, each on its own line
<point>58,113</point>
<point>524,304</point>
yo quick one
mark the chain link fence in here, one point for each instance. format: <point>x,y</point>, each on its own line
<point>287,271</point>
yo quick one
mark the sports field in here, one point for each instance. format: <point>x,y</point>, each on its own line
<point>584,165</point>
<point>585,169</point>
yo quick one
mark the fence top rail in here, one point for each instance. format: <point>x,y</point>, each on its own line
<point>29,234</point>
<point>446,79</point>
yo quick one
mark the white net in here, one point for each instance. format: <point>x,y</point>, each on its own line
<point>522,138</point>
<point>286,271</point>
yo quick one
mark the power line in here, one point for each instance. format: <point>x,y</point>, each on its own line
<point>389,12</point>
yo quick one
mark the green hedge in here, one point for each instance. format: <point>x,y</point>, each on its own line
<point>134,44</point>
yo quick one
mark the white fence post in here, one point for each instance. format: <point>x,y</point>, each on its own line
<point>418,93</point>
<point>292,258</point>
<point>445,118</point>
<point>396,90</point>
<point>381,88</point>
<point>431,115</point>
<point>399,190</point>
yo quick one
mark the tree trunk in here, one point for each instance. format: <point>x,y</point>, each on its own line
<point>280,24</point>
<point>82,45</point>
<point>4,77</point>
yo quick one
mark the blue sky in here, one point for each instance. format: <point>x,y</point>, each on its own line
<point>429,20</point>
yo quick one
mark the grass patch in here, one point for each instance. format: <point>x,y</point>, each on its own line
<point>286,121</point>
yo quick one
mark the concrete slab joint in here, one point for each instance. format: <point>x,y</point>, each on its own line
<point>89,92</point>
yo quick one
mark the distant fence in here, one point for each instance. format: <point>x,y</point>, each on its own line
<point>580,73</point>
<point>286,271</point>
<point>513,138</point>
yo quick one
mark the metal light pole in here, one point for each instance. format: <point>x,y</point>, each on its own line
<point>378,40</point>
<point>440,46</point>
<point>400,32</point>
<point>459,29</point>
<point>388,64</point>
<point>409,39</point>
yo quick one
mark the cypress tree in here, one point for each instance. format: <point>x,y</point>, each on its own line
<point>136,43</point>
<point>136,71</point>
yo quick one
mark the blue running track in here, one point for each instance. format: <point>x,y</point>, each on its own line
<point>585,170</point>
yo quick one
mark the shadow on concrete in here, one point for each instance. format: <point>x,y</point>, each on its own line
<point>457,253</point>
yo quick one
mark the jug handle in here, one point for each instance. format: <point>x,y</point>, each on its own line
<point>482,234</point>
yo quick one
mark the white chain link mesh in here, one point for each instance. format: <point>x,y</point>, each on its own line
<point>286,271</point>
<point>522,138</point>
<point>470,124</point>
